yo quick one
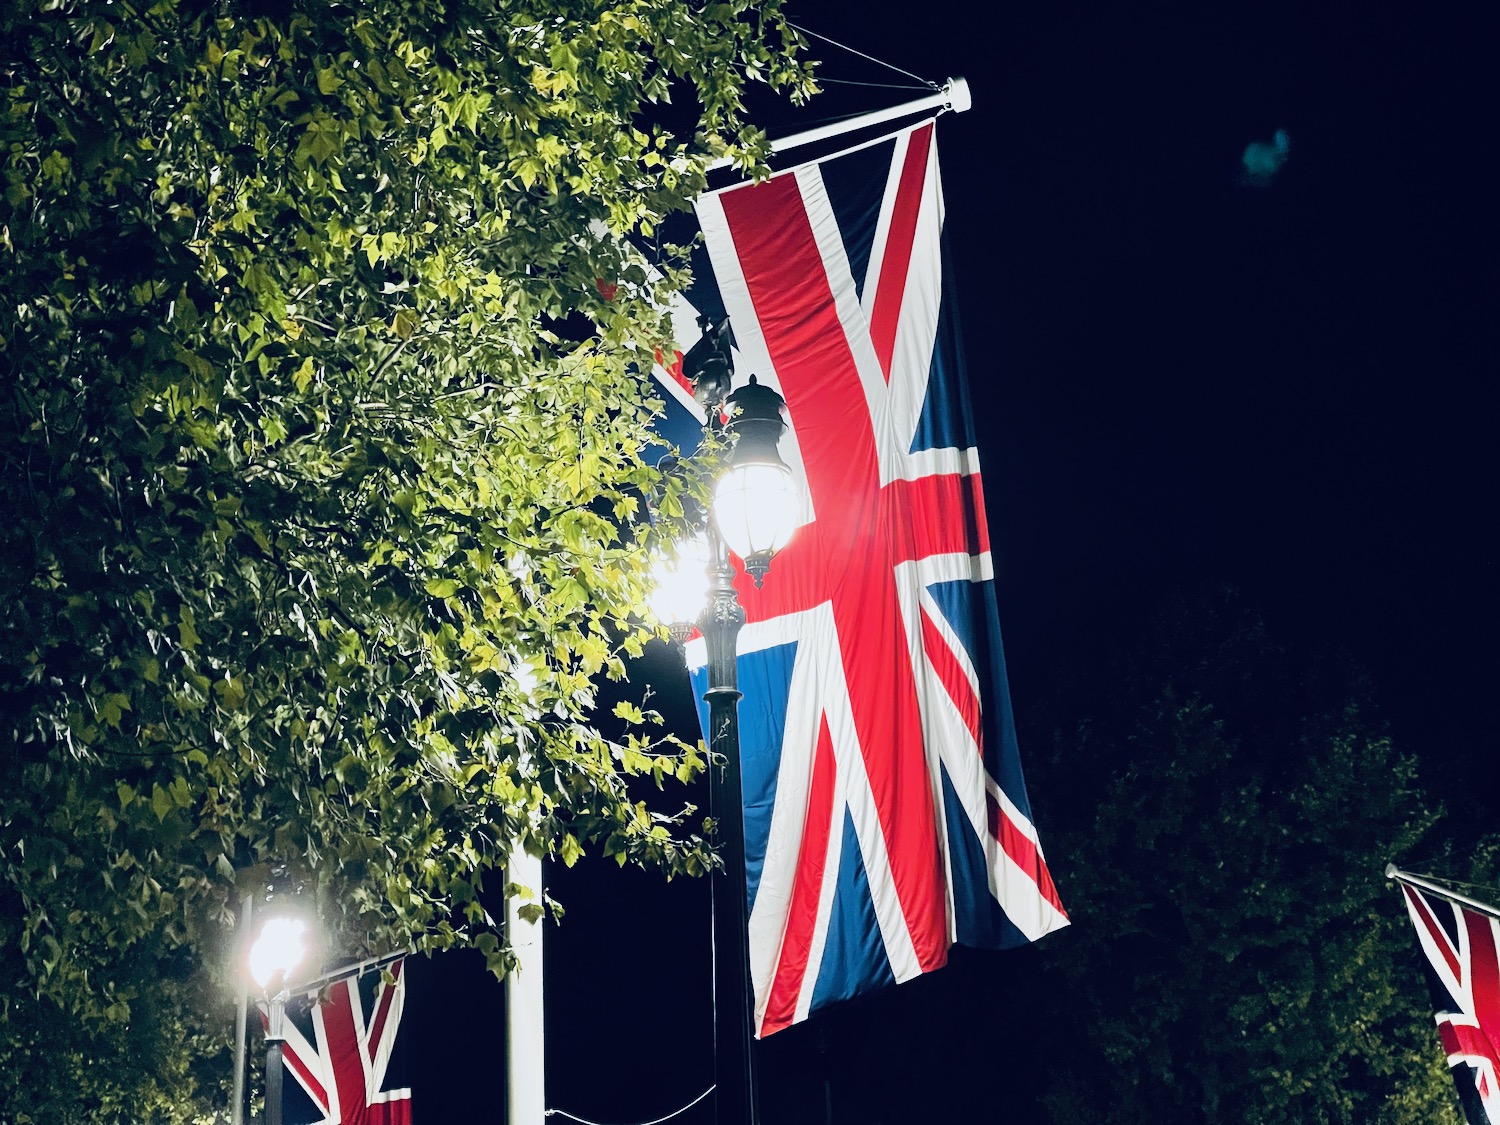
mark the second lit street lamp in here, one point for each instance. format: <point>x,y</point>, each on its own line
<point>755,510</point>
<point>279,950</point>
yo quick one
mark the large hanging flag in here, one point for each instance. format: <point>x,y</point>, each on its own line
<point>886,817</point>
<point>1462,943</point>
<point>343,1062</point>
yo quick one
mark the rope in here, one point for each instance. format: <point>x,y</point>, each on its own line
<point>878,62</point>
<point>823,81</point>
<point>653,1121</point>
<point>816,121</point>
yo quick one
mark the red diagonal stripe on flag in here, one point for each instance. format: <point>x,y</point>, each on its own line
<point>802,912</point>
<point>896,261</point>
<point>382,1013</point>
<point>1440,936</point>
<point>1022,851</point>
<point>954,679</point>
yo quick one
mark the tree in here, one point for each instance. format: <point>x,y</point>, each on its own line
<point>1223,808</point>
<point>320,519</point>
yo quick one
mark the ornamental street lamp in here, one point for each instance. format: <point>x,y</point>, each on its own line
<point>756,501</point>
<point>280,947</point>
<point>755,511</point>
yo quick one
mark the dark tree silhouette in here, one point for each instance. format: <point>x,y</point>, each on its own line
<point>1220,809</point>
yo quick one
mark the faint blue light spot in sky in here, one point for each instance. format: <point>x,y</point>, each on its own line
<point>1263,159</point>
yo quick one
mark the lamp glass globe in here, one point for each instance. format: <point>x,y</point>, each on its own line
<point>757,506</point>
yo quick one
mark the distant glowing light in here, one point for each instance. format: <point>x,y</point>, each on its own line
<point>1263,160</point>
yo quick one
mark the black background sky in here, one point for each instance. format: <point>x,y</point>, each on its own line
<point>1179,377</point>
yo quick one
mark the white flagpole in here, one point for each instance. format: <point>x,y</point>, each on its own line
<point>1394,872</point>
<point>525,1057</point>
<point>241,1013</point>
<point>953,96</point>
<point>318,984</point>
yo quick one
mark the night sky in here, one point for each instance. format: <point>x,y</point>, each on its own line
<point>1182,374</point>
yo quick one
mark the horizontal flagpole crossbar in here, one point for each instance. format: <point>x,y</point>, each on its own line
<point>367,966</point>
<point>1394,872</point>
<point>953,96</point>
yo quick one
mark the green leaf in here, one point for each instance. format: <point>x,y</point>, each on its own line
<point>303,376</point>
<point>231,692</point>
<point>112,708</point>
<point>404,323</point>
<point>187,634</point>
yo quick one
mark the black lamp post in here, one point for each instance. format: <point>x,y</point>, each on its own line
<point>755,510</point>
<point>734,1061</point>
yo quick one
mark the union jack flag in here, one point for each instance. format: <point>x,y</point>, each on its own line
<point>1463,947</point>
<point>343,1066</point>
<point>886,817</point>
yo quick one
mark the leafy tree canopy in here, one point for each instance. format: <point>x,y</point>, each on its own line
<point>318,530</point>
<point>1224,807</point>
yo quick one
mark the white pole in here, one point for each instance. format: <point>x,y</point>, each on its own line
<point>1394,872</point>
<point>525,1058</point>
<point>953,96</point>
<point>242,1015</point>
<point>317,984</point>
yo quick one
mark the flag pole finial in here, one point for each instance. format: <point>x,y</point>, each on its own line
<point>959,98</point>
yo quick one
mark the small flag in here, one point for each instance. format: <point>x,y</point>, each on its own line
<point>342,1058</point>
<point>1463,947</point>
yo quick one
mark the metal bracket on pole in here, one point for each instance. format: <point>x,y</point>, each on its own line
<point>952,97</point>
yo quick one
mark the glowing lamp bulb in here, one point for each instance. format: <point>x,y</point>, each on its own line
<point>680,584</point>
<point>278,950</point>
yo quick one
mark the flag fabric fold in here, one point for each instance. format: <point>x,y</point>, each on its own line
<point>343,1057</point>
<point>1463,950</point>
<point>886,817</point>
